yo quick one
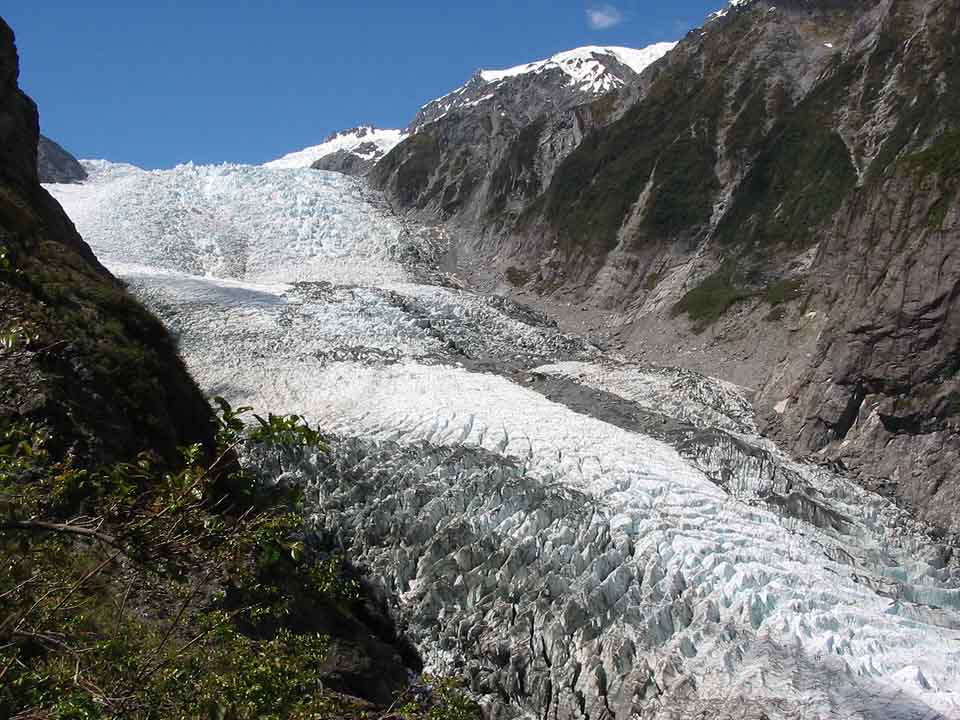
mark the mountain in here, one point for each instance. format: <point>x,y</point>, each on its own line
<point>352,152</point>
<point>573,532</point>
<point>567,78</point>
<point>575,75</point>
<point>56,165</point>
<point>774,202</point>
<point>472,149</point>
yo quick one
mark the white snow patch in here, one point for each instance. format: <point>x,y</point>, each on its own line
<point>583,67</point>
<point>349,140</point>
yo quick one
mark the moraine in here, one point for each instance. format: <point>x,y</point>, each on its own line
<point>578,535</point>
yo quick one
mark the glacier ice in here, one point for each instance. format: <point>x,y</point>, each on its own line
<point>578,535</point>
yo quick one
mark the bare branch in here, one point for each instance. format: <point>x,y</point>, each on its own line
<point>40,526</point>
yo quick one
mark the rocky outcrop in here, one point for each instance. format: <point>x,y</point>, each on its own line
<point>79,355</point>
<point>355,162</point>
<point>775,202</point>
<point>56,165</point>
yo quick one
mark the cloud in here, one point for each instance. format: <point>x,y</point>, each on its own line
<point>603,17</point>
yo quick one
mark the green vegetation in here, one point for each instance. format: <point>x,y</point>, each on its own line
<point>83,342</point>
<point>604,107</point>
<point>707,302</point>
<point>517,277</point>
<point>943,160</point>
<point>7,264</point>
<point>930,106</point>
<point>669,137</point>
<point>436,699</point>
<point>130,591</point>
<point>782,291</point>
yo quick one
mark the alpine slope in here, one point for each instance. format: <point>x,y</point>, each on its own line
<point>577,535</point>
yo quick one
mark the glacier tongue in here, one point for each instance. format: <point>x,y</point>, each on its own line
<point>580,536</point>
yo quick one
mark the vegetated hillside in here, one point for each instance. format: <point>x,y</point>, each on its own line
<point>780,207</point>
<point>145,574</point>
<point>79,355</point>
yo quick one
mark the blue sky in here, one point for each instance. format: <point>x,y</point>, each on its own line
<point>161,82</point>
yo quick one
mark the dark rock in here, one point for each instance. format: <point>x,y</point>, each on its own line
<point>349,162</point>
<point>88,362</point>
<point>56,165</point>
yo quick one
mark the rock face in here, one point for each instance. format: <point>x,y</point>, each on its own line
<point>489,147</point>
<point>80,356</point>
<point>775,202</point>
<point>56,165</point>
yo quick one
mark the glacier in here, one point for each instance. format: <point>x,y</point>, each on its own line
<point>576,534</point>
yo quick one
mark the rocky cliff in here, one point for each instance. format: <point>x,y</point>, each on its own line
<point>775,202</point>
<point>56,165</point>
<point>78,355</point>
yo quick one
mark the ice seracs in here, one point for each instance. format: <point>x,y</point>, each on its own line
<point>543,546</point>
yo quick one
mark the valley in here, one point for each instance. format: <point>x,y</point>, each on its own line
<point>573,532</point>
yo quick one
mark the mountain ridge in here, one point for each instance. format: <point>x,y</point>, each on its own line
<point>689,217</point>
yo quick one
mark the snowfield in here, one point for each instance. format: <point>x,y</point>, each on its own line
<point>577,535</point>
<point>357,141</point>
<point>584,69</point>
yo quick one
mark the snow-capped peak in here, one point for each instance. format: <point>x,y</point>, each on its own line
<point>724,10</point>
<point>365,141</point>
<point>584,65</point>
<point>583,72</point>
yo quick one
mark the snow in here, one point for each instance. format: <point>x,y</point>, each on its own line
<point>584,68</point>
<point>349,140</point>
<point>523,494</point>
<point>731,4</point>
<point>232,221</point>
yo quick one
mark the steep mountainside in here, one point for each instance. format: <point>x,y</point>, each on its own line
<point>475,152</point>
<point>78,354</point>
<point>568,77</point>
<point>56,165</point>
<point>775,202</point>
